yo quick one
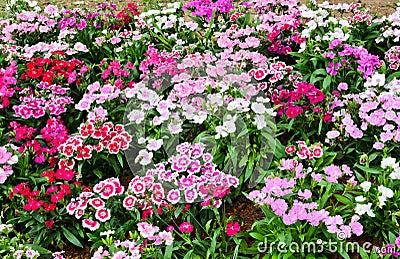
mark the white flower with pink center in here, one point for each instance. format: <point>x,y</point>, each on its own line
<point>139,187</point>
<point>103,214</point>
<point>174,196</point>
<point>90,224</point>
<point>97,203</point>
<point>190,195</point>
<point>129,202</point>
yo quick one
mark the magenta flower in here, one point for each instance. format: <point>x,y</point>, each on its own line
<point>186,227</point>
<point>232,228</point>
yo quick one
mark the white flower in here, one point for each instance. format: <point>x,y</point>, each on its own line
<point>13,160</point>
<point>154,144</point>
<point>260,122</point>
<point>221,132</point>
<point>229,123</point>
<point>365,186</point>
<point>360,198</point>
<point>361,209</point>
<point>258,108</point>
<point>389,162</point>
<point>395,175</point>
<point>144,157</point>
<point>386,192</point>
<point>382,200</point>
<point>107,233</point>
<point>136,115</point>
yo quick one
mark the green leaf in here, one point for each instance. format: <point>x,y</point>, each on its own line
<point>369,170</point>
<point>38,248</point>
<point>71,238</point>
<point>168,251</point>
<point>326,84</point>
<point>188,255</point>
<point>257,236</point>
<point>342,199</point>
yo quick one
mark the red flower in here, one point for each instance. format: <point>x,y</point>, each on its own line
<point>232,228</point>
<point>294,111</point>
<point>35,73</point>
<point>49,223</point>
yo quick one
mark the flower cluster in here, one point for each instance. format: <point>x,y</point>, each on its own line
<point>7,159</point>
<point>367,63</point>
<point>7,80</point>
<point>54,133</point>
<point>377,112</point>
<point>28,25</point>
<point>95,135</point>
<point>116,78</point>
<point>282,36</point>
<point>204,8</point>
<point>293,103</point>
<point>95,203</point>
<point>393,57</point>
<point>189,176</point>
<point>136,247</point>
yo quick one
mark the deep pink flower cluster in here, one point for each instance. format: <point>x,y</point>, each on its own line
<point>54,134</point>
<point>96,136</point>
<point>293,103</point>
<point>7,80</point>
<point>393,57</point>
<point>155,61</point>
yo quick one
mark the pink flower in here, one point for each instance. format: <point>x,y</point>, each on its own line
<point>342,87</point>
<point>186,227</point>
<point>356,228</point>
<point>232,228</point>
<point>294,111</point>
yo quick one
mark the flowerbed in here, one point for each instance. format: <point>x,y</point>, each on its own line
<point>132,132</point>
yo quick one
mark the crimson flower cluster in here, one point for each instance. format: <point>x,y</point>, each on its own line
<point>295,102</point>
<point>126,14</point>
<point>54,193</point>
<point>53,70</point>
